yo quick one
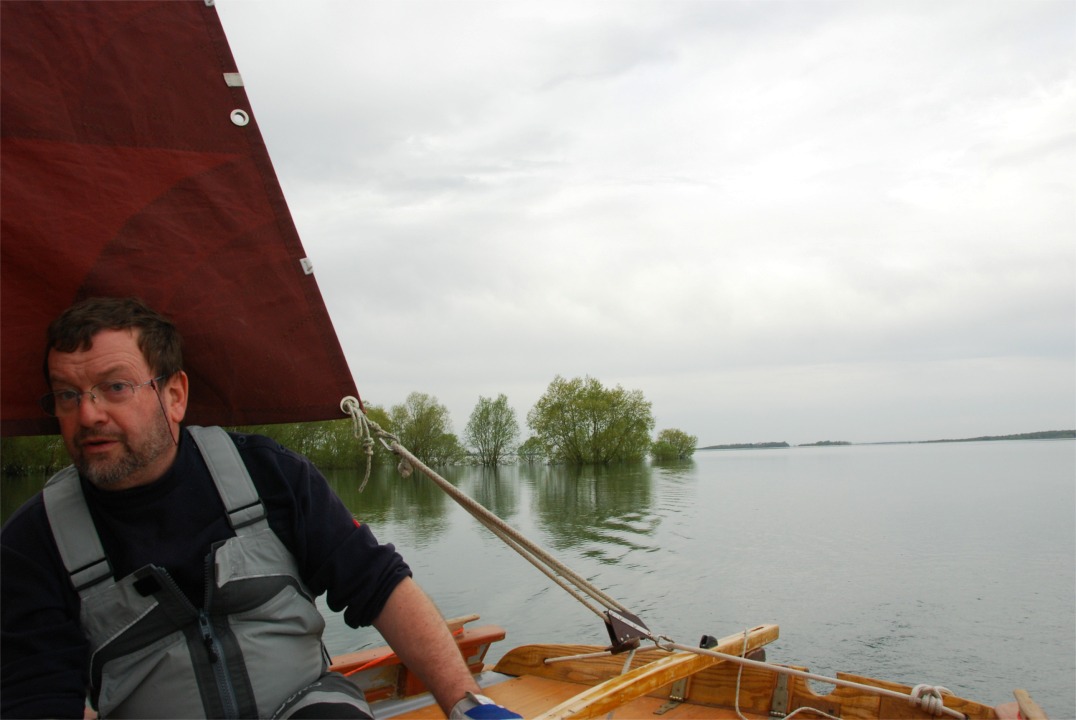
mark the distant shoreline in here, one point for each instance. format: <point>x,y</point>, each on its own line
<point>1042,435</point>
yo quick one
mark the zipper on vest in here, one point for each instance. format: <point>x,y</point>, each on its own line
<point>214,647</point>
<point>212,643</point>
<point>209,637</point>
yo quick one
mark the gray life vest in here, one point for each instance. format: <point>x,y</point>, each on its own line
<point>256,641</point>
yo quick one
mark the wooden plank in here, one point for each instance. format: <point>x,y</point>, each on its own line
<point>530,660</point>
<point>456,623</point>
<point>717,686</point>
<point>849,705</point>
<point>850,696</point>
<point>612,693</point>
<point>1028,707</point>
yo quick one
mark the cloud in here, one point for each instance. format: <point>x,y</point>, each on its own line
<point>695,196</point>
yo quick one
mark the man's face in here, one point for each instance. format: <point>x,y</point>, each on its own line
<point>118,446</point>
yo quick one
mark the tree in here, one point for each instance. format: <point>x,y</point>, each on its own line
<point>580,422</point>
<point>491,429</point>
<point>673,444</point>
<point>326,443</point>
<point>424,427</point>
<point>446,450</point>
<point>531,450</point>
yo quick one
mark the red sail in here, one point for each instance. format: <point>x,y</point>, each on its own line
<point>127,171</point>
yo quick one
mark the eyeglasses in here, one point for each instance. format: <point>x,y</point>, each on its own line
<point>109,392</point>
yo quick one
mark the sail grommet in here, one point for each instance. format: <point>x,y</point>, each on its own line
<point>239,117</point>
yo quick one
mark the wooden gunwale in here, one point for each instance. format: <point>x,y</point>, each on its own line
<point>705,687</point>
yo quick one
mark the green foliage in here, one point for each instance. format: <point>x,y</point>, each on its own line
<point>328,444</point>
<point>38,453</point>
<point>531,450</point>
<point>424,427</point>
<point>580,422</point>
<point>673,444</point>
<point>491,429</point>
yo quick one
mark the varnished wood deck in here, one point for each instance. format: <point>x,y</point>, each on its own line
<point>532,696</point>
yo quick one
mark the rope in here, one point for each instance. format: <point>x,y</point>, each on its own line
<point>361,427</point>
<point>739,677</point>
<point>927,697</point>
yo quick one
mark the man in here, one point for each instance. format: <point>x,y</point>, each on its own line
<point>172,570</point>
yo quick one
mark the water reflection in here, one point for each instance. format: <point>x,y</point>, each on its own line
<point>603,513</point>
<point>497,489</point>
<point>413,504</point>
<point>674,469</point>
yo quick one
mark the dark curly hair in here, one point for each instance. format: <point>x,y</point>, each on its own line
<point>158,338</point>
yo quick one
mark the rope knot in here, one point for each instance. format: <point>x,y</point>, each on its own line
<point>929,698</point>
<point>360,425</point>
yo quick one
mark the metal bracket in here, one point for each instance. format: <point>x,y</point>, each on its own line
<point>677,695</point>
<point>625,630</point>
<point>779,704</point>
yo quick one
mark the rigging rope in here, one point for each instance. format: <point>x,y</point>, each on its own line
<point>927,697</point>
<point>360,425</point>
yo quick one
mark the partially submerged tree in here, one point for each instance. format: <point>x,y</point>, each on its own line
<point>673,444</point>
<point>492,429</point>
<point>580,422</point>
<point>424,427</point>
<point>531,450</point>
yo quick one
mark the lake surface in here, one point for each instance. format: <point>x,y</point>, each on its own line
<point>950,564</point>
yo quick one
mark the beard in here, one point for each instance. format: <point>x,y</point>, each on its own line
<point>105,473</point>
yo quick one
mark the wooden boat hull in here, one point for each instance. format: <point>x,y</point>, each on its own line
<point>658,684</point>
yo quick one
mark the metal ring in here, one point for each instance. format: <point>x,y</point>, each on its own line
<point>240,117</point>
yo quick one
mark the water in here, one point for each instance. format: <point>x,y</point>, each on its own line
<point>953,564</point>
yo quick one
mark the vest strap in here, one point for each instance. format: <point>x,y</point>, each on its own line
<point>245,508</point>
<point>73,529</point>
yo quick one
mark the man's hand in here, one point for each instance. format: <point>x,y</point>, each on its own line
<point>480,707</point>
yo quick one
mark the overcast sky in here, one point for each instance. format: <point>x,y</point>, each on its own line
<point>792,221</point>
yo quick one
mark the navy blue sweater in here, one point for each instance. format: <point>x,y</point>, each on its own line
<point>172,523</point>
